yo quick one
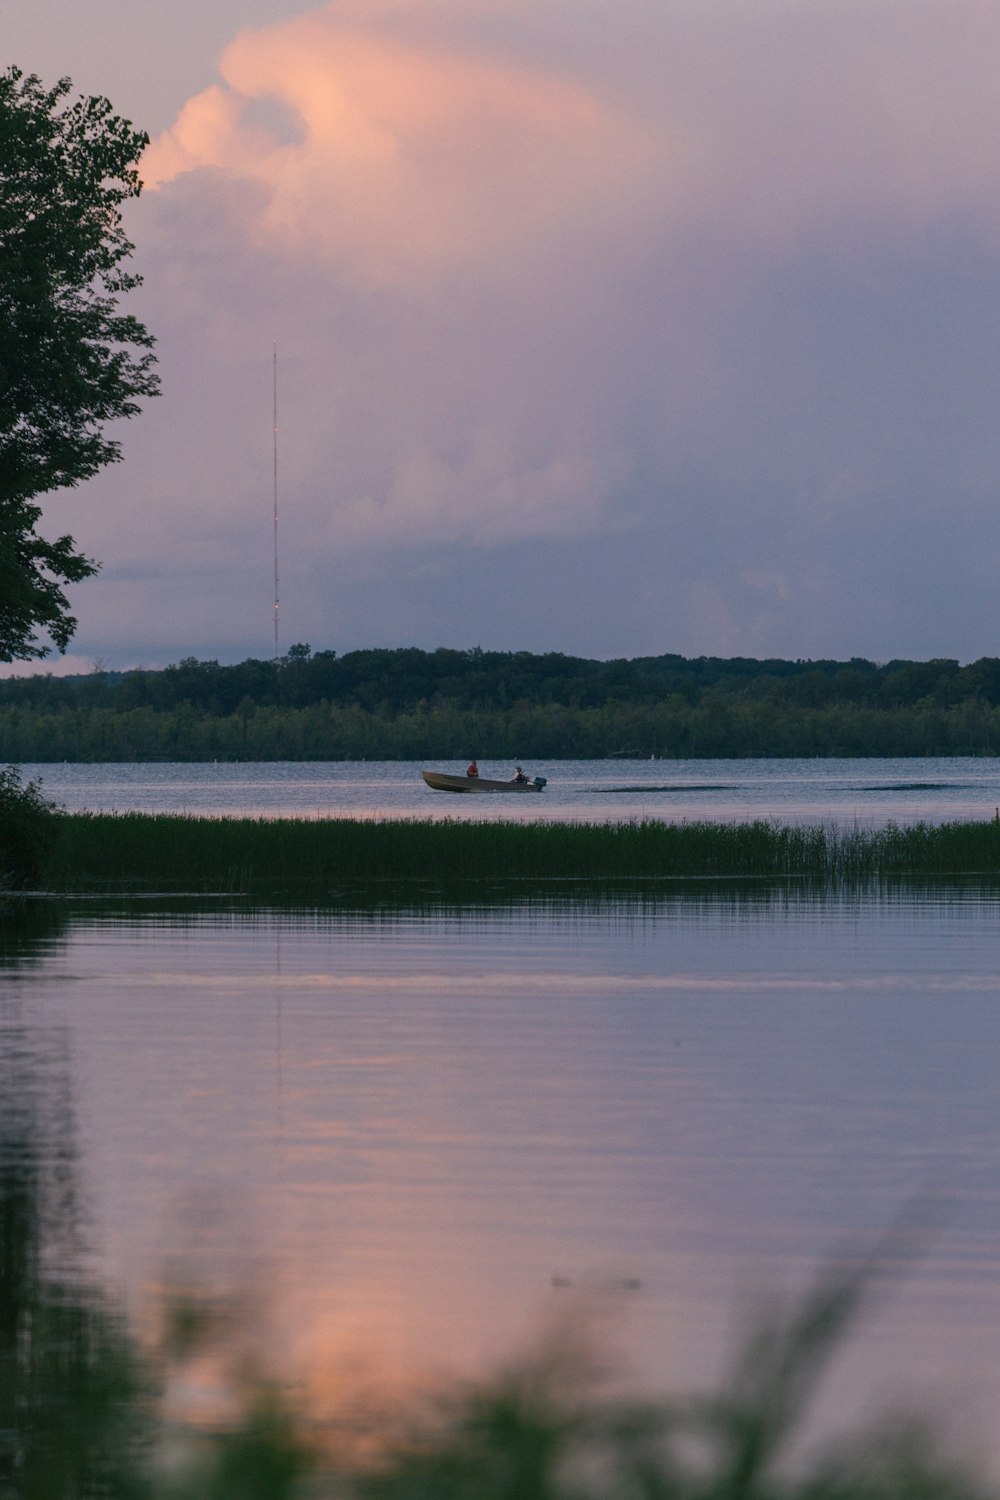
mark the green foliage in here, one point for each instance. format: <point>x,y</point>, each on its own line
<point>67,365</point>
<point>28,827</point>
<point>260,1456</point>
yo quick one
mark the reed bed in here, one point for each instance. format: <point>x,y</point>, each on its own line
<point>249,855</point>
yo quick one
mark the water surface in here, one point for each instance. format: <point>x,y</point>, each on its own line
<point>421,1132</point>
<point>843,791</point>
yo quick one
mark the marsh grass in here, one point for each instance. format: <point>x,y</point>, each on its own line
<point>135,851</point>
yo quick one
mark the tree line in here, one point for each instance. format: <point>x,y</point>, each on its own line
<point>415,705</point>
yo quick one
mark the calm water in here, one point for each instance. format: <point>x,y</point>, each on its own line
<point>847,791</point>
<point>423,1132</point>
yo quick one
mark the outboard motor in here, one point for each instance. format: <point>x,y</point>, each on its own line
<point>540,781</point>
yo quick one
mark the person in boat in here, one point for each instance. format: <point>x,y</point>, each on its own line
<point>473,768</point>
<point>519,775</point>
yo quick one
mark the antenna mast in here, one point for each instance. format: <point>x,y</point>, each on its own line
<point>274,372</point>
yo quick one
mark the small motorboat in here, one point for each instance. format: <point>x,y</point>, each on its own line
<point>439,781</point>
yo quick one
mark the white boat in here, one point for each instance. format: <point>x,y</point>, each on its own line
<point>439,781</point>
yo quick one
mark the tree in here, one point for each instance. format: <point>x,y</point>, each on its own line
<point>70,362</point>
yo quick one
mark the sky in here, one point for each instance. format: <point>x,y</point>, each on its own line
<point>611,327</point>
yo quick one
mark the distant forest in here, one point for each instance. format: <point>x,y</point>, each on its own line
<point>449,705</point>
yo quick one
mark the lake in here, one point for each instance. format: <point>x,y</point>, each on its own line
<point>416,1135</point>
<point>793,791</point>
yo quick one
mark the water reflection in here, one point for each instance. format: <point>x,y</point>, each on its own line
<point>30,929</point>
<point>422,1128</point>
<point>69,1384</point>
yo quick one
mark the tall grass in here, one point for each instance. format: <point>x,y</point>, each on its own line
<point>139,851</point>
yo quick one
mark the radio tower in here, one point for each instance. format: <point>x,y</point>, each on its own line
<point>274,382</point>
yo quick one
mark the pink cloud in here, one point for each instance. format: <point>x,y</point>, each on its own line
<point>409,153</point>
<point>430,137</point>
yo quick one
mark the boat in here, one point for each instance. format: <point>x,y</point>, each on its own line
<point>439,781</point>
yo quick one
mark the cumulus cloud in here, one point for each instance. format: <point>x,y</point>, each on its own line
<point>408,153</point>
<point>695,302</point>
